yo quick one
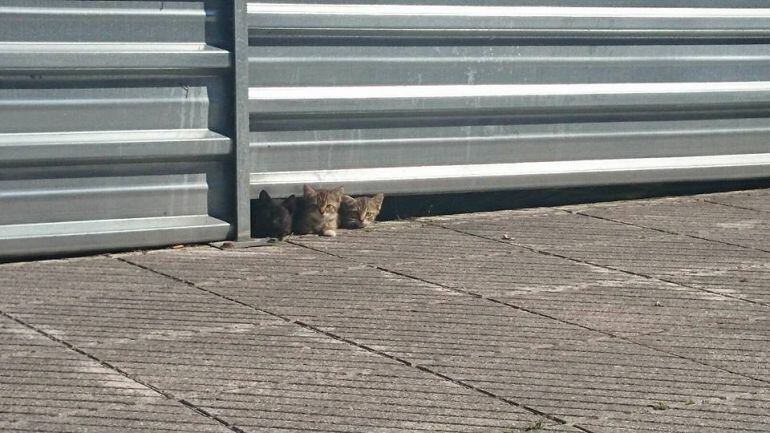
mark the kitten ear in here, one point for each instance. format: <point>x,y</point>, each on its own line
<point>264,196</point>
<point>308,191</point>
<point>339,191</point>
<point>378,198</point>
<point>348,200</point>
<point>290,203</point>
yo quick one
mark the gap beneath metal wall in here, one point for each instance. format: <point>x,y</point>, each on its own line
<point>402,207</point>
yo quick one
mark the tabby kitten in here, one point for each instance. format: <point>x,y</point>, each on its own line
<point>270,218</point>
<point>317,211</point>
<point>360,212</point>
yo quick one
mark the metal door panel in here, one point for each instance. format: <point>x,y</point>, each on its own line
<point>452,96</point>
<point>115,124</point>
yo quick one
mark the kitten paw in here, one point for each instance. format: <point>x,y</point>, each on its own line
<point>329,233</point>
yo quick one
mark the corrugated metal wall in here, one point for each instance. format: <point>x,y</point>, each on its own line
<point>115,118</point>
<point>448,96</point>
<point>132,123</point>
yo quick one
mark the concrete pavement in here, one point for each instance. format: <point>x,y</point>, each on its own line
<point>648,315</point>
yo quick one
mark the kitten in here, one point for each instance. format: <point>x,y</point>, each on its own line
<point>360,212</point>
<point>271,218</point>
<point>317,211</point>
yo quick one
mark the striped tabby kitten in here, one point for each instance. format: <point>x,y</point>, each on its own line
<point>360,212</point>
<point>317,211</point>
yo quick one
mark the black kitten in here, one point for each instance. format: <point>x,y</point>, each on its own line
<point>271,218</point>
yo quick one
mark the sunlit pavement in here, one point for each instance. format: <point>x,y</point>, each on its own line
<point>649,315</point>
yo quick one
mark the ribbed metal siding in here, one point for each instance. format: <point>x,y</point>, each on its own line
<point>448,96</point>
<point>115,118</point>
<point>121,124</point>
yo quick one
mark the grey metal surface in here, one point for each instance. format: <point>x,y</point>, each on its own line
<point>241,114</point>
<point>115,125</point>
<point>576,20</point>
<point>427,96</point>
<point>130,123</point>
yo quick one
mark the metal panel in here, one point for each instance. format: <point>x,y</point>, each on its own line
<point>577,20</point>
<point>132,123</point>
<point>452,96</point>
<point>241,113</point>
<point>115,124</point>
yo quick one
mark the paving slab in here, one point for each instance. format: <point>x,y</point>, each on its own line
<point>589,295</point>
<point>484,322</point>
<point>733,271</point>
<point>554,367</point>
<point>708,302</point>
<point>744,349</point>
<point>693,217</point>
<point>754,200</point>
<point>46,387</point>
<point>254,371</point>
<point>738,413</point>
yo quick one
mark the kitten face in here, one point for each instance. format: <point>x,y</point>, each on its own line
<point>360,212</point>
<point>327,200</point>
<point>270,219</point>
<point>319,211</point>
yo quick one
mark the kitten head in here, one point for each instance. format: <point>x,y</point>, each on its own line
<point>327,200</point>
<point>360,212</point>
<point>270,219</point>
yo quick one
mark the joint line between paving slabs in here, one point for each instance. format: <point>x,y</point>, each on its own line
<point>518,307</point>
<point>567,322</point>
<point>427,370</point>
<point>573,423</point>
<point>354,343</point>
<point>577,324</point>
<point>705,200</point>
<point>610,268</point>
<point>668,232</point>
<point>123,373</point>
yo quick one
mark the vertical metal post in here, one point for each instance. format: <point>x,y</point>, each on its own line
<point>241,114</point>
